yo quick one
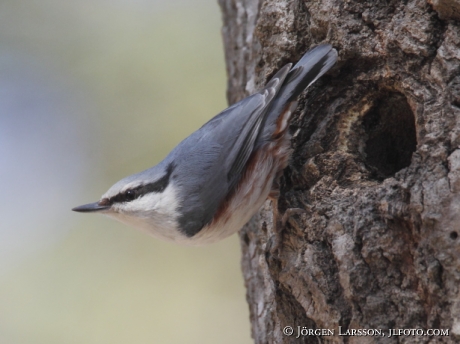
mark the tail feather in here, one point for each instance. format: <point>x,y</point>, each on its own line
<point>311,66</point>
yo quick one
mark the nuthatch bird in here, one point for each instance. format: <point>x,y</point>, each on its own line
<point>215,180</point>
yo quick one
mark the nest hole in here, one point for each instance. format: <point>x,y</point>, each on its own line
<point>390,135</point>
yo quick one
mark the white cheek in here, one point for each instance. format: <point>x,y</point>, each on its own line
<point>155,213</point>
<point>159,202</point>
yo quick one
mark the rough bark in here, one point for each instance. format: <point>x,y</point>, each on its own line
<point>376,167</point>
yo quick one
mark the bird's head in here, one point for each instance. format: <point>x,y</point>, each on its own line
<point>146,200</point>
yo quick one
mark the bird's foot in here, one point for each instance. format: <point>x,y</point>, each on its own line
<point>289,213</point>
<point>279,223</point>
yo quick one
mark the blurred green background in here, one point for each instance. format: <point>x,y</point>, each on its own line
<point>91,91</point>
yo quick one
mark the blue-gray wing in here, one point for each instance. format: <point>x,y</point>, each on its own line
<point>212,159</point>
<point>244,145</point>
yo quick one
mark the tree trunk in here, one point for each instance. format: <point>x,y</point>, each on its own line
<point>376,168</point>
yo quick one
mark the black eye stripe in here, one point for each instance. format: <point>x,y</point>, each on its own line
<point>131,194</point>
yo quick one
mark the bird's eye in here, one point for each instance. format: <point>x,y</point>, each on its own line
<point>130,195</point>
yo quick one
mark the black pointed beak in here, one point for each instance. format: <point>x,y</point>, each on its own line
<point>90,207</point>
